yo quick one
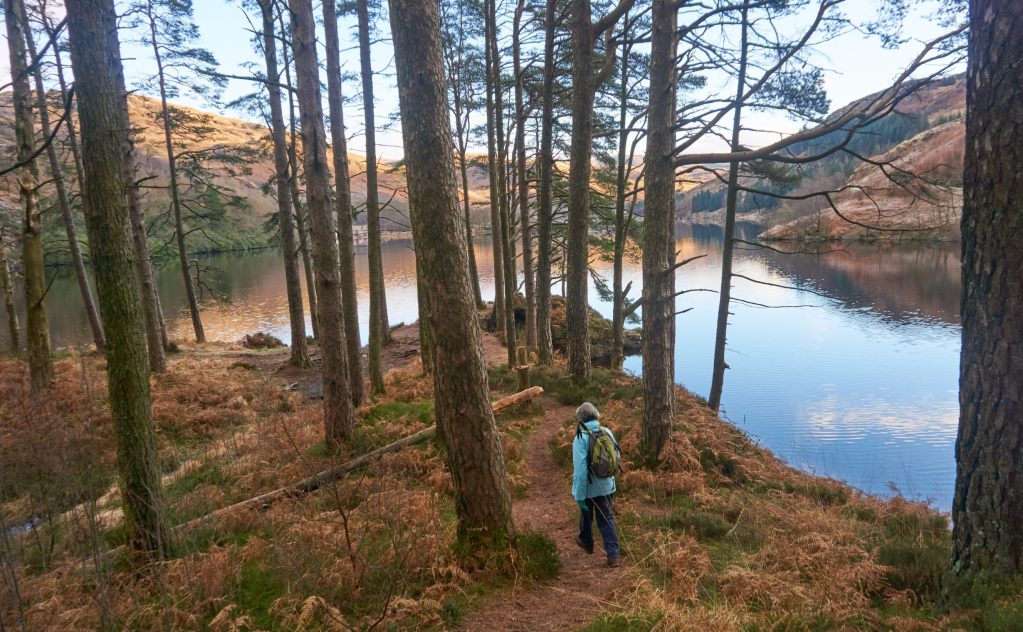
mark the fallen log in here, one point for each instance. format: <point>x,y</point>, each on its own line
<point>316,481</point>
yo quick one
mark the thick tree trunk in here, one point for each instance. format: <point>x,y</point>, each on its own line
<point>659,238</point>
<point>179,226</point>
<point>57,173</point>
<point>378,330</point>
<point>296,198</point>
<point>293,281</point>
<point>577,301</point>
<point>544,197</point>
<point>509,276</point>
<point>497,315</point>
<point>40,363</point>
<point>8,289</point>
<point>156,328</point>
<point>343,190</point>
<point>94,51</point>
<point>520,147</point>
<point>338,418</point>
<point>461,390</point>
<point>987,513</point>
<point>724,298</point>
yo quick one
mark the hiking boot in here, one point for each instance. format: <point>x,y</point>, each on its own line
<point>614,562</point>
<point>588,549</point>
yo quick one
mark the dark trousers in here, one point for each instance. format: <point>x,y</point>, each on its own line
<point>603,507</point>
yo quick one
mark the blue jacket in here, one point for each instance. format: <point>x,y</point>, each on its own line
<point>584,486</point>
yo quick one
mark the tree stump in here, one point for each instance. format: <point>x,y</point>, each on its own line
<point>523,368</point>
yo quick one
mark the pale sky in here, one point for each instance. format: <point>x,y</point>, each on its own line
<point>857,66</point>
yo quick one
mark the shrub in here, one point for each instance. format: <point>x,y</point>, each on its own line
<point>260,340</point>
<point>818,493</point>
<point>539,553</point>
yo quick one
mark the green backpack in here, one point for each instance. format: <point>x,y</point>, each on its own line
<point>603,453</point>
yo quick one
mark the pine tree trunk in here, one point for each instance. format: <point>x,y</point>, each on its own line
<point>40,363</point>
<point>156,329</point>
<point>520,148</point>
<point>497,315</point>
<point>296,199</point>
<point>544,202</point>
<point>987,537</point>
<point>179,226</point>
<point>659,237</point>
<point>510,278</point>
<point>577,302</point>
<point>8,289</point>
<point>293,280</point>
<point>343,190</point>
<point>621,223</point>
<point>65,205</point>
<point>460,132</point>
<point>461,390</point>
<point>95,53</point>
<point>378,331</point>
<point>338,418</point>
<point>724,297</point>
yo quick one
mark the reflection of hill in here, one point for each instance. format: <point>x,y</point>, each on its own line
<point>900,282</point>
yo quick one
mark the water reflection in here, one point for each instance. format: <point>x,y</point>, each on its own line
<point>860,386</point>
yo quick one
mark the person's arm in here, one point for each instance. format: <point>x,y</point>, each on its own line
<point>579,446</point>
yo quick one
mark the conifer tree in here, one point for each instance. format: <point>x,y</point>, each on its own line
<point>96,57</point>
<point>168,29</point>
<point>461,390</point>
<point>339,421</point>
<point>343,193</point>
<point>64,201</point>
<point>987,543</point>
<point>40,363</point>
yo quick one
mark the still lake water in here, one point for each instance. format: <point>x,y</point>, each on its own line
<point>861,386</point>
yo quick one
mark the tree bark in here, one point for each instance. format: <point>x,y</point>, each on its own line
<point>95,53</point>
<point>40,363</point>
<point>987,512</point>
<point>300,214</point>
<point>378,330</point>
<point>179,227</point>
<point>497,315</point>
<point>293,281</point>
<point>343,191</point>
<point>725,295</point>
<point>659,237</point>
<point>338,417</point>
<point>520,147</point>
<point>156,329</point>
<point>65,204</point>
<point>577,302</point>
<point>544,201</point>
<point>8,289</point>
<point>461,389</point>
<point>510,278</point>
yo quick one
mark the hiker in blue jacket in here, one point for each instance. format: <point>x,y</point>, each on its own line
<point>595,495</point>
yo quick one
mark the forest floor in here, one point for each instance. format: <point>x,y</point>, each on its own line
<point>717,535</point>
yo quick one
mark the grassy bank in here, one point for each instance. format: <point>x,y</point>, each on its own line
<point>718,535</point>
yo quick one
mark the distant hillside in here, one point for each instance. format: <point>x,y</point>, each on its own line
<point>924,137</point>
